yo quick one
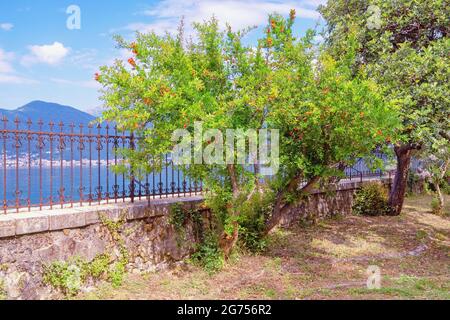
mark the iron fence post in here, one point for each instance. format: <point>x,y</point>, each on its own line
<point>132,178</point>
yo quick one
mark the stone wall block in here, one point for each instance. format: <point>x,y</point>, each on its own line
<point>7,226</point>
<point>60,220</point>
<point>32,223</point>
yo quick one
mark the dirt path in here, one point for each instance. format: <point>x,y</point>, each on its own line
<point>325,261</point>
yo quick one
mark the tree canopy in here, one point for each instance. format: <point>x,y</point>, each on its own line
<point>325,114</point>
<point>404,46</point>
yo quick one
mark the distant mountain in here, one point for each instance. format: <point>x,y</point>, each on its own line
<point>47,112</point>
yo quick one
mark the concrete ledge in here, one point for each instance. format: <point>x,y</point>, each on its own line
<point>139,211</point>
<point>33,222</point>
<point>92,217</point>
<point>345,185</point>
<point>18,224</point>
<point>7,226</point>
<point>66,220</point>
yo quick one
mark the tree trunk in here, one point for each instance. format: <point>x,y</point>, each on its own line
<point>436,183</point>
<point>440,198</point>
<point>398,189</point>
<point>228,241</point>
<point>279,209</point>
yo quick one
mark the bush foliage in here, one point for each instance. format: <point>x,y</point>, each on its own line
<point>371,200</point>
<point>252,221</point>
<point>208,254</point>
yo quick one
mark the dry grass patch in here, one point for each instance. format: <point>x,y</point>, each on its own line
<point>352,246</point>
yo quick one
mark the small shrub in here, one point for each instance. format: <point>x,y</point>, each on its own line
<point>99,266</point>
<point>117,273</point>
<point>371,200</point>
<point>67,276</point>
<point>435,207</point>
<point>208,254</point>
<point>252,221</point>
<point>70,276</point>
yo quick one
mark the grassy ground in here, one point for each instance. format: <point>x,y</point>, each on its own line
<point>325,261</point>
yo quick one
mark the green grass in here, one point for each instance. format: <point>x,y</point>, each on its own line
<point>408,287</point>
<point>421,235</point>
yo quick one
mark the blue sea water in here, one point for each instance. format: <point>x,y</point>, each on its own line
<point>65,185</point>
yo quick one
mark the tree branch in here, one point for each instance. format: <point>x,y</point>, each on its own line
<point>278,209</point>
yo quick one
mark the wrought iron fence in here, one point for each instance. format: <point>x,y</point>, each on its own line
<point>46,165</point>
<point>361,170</point>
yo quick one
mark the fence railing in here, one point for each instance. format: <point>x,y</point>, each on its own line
<point>45,165</point>
<point>48,165</point>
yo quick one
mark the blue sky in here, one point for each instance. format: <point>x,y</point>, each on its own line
<point>42,59</point>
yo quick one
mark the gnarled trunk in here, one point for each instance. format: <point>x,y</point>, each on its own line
<point>398,189</point>
<point>281,209</point>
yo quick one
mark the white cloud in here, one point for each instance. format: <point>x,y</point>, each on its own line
<point>5,61</point>
<point>159,27</point>
<point>6,26</point>
<point>239,14</point>
<point>15,79</point>
<point>51,54</point>
<point>85,58</point>
<point>121,54</point>
<point>315,3</point>
<point>7,73</point>
<point>84,83</point>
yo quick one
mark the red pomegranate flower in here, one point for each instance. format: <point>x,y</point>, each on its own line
<point>134,48</point>
<point>132,62</point>
<point>273,23</point>
<point>97,76</point>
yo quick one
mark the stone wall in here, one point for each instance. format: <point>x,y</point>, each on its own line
<point>322,204</point>
<point>29,240</point>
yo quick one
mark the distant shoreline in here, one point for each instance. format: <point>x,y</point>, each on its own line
<point>23,163</point>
